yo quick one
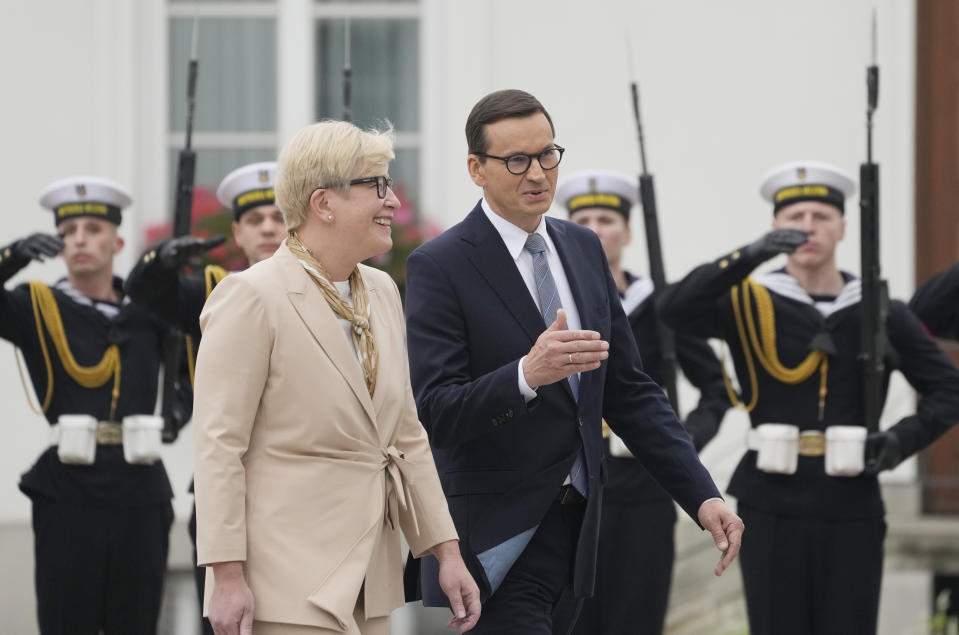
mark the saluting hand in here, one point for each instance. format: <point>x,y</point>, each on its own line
<point>39,246</point>
<point>176,251</point>
<point>778,241</point>
<point>727,529</point>
<point>559,353</point>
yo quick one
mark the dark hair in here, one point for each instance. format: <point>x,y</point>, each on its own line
<point>502,104</point>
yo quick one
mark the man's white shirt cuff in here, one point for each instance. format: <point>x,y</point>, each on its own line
<point>528,393</point>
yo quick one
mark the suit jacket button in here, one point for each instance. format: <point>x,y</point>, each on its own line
<point>579,420</point>
<point>509,413</point>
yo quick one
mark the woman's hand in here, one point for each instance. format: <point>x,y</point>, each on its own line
<point>231,607</point>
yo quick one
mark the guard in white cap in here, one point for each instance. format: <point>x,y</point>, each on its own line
<point>91,196</point>
<point>247,187</point>
<point>807,181</point>
<point>807,486</point>
<point>160,282</point>
<point>101,523</point>
<point>637,513</point>
<point>598,189</point>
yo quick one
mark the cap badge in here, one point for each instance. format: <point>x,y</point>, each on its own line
<point>81,189</point>
<point>263,176</point>
<point>801,174</point>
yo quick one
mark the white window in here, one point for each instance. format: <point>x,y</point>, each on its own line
<point>269,67</point>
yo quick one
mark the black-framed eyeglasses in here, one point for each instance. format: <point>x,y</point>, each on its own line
<point>382,183</point>
<point>519,163</point>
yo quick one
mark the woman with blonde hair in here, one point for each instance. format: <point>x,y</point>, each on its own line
<point>310,458</point>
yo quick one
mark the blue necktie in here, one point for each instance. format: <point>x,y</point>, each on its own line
<point>549,304</point>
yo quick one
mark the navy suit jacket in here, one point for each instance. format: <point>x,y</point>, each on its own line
<point>501,460</point>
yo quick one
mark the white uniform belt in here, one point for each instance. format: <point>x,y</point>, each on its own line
<point>108,433</point>
<point>811,442</point>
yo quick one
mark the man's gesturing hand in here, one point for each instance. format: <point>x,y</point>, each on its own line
<point>559,353</point>
<point>727,530</point>
<point>458,585</point>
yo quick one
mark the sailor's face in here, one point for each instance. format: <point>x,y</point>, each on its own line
<point>823,222</point>
<point>259,232</point>
<point>609,225</point>
<point>89,245</point>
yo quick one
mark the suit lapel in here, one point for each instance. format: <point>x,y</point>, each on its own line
<point>316,314</point>
<point>496,265</point>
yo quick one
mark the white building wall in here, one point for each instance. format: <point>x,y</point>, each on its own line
<point>727,90</point>
<point>68,109</point>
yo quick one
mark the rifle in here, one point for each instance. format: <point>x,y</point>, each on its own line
<point>647,197</point>
<point>175,416</point>
<point>875,292</point>
<point>347,76</point>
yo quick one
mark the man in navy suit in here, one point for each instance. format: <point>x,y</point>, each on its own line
<point>519,348</point>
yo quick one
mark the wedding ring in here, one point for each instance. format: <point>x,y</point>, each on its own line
<point>570,358</point>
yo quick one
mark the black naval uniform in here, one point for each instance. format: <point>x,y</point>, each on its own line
<point>812,552</point>
<point>101,531</point>
<point>937,303</point>
<point>177,298</point>
<point>636,545</point>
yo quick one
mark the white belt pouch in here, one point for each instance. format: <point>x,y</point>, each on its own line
<point>845,450</point>
<point>777,447</point>
<point>77,444</point>
<point>142,438</point>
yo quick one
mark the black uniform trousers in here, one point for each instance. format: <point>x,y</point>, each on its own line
<point>117,560</point>
<point>807,576</point>
<point>542,575</point>
<point>633,572</point>
<point>199,574</point>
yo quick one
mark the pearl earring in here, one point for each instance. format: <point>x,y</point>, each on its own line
<point>330,217</point>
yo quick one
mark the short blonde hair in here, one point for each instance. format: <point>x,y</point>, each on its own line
<point>328,154</point>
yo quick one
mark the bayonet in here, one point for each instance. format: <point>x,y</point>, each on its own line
<point>657,271</point>
<point>875,292</point>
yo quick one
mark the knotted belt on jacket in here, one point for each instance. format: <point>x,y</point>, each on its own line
<point>385,557</point>
<point>397,486</point>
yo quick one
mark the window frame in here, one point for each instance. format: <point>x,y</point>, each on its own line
<point>295,22</point>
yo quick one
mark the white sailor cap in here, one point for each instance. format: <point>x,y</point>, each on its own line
<point>247,187</point>
<point>807,181</point>
<point>598,188</point>
<point>85,196</point>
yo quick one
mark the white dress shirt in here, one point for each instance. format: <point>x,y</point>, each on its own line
<point>515,240</point>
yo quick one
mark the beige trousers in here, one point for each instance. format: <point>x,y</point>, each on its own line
<point>376,626</point>
<point>359,626</point>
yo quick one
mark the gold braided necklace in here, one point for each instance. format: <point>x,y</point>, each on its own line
<point>357,315</point>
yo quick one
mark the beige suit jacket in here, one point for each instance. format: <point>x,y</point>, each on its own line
<point>300,473</point>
